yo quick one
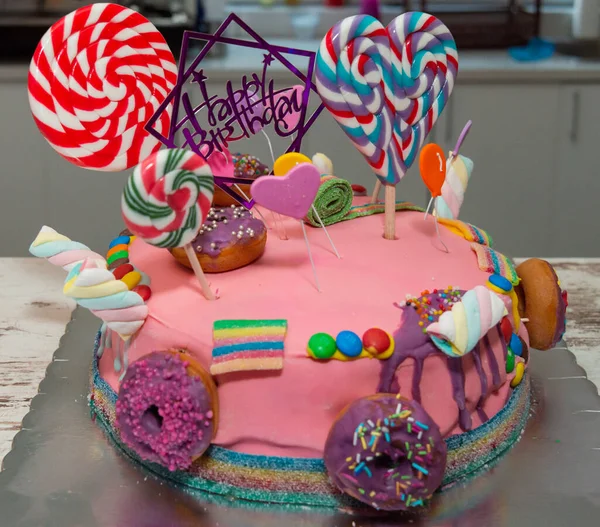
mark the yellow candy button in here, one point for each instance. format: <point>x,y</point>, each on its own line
<point>132,279</point>
<point>286,162</point>
<point>519,372</point>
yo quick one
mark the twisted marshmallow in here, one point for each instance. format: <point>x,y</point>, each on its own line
<point>458,331</point>
<point>453,190</point>
<point>62,251</point>
<point>96,288</point>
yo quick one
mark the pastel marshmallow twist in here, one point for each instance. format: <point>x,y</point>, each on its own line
<point>386,87</point>
<point>62,251</point>
<point>458,331</point>
<point>96,77</point>
<point>453,190</point>
<point>167,198</point>
<point>96,288</point>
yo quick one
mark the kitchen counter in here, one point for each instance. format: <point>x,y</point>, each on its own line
<point>475,66</point>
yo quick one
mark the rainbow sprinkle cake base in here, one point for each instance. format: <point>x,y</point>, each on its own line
<point>304,482</point>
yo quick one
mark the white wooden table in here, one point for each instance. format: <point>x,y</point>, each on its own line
<point>34,313</point>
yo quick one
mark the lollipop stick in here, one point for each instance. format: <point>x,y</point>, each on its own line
<point>189,251</point>
<point>428,206</point>
<point>437,230</point>
<point>270,145</point>
<point>125,359</point>
<point>312,263</point>
<point>376,191</point>
<point>389,232</point>
<point>326,233</point>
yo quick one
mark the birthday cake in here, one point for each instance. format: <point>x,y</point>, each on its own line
<point>344,352</point>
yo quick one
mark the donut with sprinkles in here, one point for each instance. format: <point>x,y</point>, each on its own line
<point>167,410</point>
<point>385,451</point>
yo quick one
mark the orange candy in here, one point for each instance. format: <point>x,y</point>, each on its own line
<point>432,164</point>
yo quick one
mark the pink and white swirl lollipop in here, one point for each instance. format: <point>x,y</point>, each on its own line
<point>96,77</point>
<point>166,201</point>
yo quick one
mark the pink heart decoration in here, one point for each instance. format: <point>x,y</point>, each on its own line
<point>291,195</point>
<point>387,86</point>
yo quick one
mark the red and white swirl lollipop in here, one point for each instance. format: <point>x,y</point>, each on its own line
<point>166,201</point>
<point>96,77</point>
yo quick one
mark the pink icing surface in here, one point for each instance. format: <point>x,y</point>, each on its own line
<point>289,412</point>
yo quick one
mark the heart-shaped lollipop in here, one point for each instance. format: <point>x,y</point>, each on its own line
<point>291,195</point>
<point>386,87</point>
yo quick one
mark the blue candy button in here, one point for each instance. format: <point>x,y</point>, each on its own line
<point>516,346</point>
<point>500,282</point>
<point>119,241</point>
<point>349,343</point>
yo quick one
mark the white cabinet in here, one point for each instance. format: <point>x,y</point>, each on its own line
<point>577,177</point>
<point>513,145</point>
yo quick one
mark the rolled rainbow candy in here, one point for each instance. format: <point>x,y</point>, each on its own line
<point>94,287</point>
<point>458,331</point>
<point>60,250</point>
<point>453,190</point>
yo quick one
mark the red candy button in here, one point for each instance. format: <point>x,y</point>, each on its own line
<point>376,340</point>
<point>507,329</point>
<point>359,190</point>
<point>144,291</point>
<point>122,270</point>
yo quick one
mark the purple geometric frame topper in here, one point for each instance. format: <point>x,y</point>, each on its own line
<point>245,110</point>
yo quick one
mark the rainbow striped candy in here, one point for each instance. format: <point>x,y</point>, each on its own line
<point>386,87</point>
<point>167,198</point>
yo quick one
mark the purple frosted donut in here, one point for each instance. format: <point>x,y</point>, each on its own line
<point>164,414</point>
<point>386,451</point>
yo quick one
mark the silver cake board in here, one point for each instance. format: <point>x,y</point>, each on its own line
<point>62,471</point>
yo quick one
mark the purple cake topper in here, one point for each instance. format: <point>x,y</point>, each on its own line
<point>244,110</point>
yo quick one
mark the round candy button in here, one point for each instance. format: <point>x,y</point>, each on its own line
<point>519,372</point>
<point>515,345</point>
<point>132,279</point>
<point>122,270</point>
<point>378,343</point>
<point>506,328</point>
<point>286,162</point>
<point>144,291</point>
<point>321,346</point>
<point>349,343</point>
<point>120,240</point>
<point>500,282</point>
<point>510,361</point>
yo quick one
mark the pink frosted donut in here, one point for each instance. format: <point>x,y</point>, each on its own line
<point>167,410</point>
<point>385,450</point>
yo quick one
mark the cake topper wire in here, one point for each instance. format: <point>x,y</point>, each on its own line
<point>310,256</point>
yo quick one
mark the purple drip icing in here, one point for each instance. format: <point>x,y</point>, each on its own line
<point>412,342</point>
<point>492,362</point>
<point>457,377</point>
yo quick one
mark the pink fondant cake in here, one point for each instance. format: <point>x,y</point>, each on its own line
<point>286,413</point>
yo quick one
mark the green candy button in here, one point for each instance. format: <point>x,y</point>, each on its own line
<point>321,346</point>
<point>117,256</point>
<point>510,361</point>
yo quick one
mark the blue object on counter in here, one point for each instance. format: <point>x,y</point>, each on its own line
<point>536,49</point>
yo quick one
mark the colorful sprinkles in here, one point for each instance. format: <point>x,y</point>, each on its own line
<point>248,166</point>
<point>429,305</point>
<point>246,345</point>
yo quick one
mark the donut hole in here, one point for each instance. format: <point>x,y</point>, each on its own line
<point>152,420</point>
<point>385,461</point>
